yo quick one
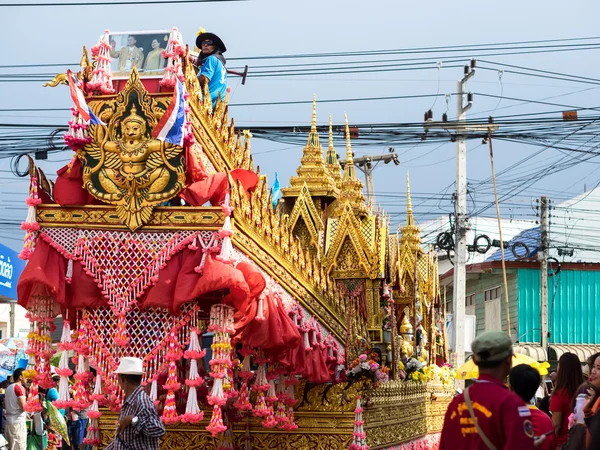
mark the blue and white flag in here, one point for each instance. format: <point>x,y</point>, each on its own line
<point>170,127</point>
<point>276,191</point>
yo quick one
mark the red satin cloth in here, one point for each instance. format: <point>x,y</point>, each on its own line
<point>68,188</point>
<point>179,283</point>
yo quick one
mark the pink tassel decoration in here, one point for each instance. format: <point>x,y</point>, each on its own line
<point>33,404</point>
<point>172,385</point>
<point>290,401</point>
<point>154,392</point>
<point>193,413</point>
<point>64,394</point>
<point>245,375</point>
<point>221,323</point>
<point>93,430</point>
<point>174,54</point>
<point>261,386</point>
<point>359,437</point>
<point>102,76</point>
<point>225,233</point>
<point>216,425</point>
<point>77,137</point>
<point>30,226</point>
<point>269,420</point>
<point>82,378</point>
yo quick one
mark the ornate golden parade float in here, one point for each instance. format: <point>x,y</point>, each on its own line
<point>300,322</point>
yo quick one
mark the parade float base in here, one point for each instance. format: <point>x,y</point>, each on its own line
<point>397,412</point>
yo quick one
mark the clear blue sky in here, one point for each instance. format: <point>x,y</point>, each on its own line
<point>56,35</point>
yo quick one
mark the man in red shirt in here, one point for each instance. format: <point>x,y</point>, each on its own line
<point>524,381</point>
<point>488,416</point>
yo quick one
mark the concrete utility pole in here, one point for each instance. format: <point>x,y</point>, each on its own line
<point>13,314</point>
<point>543,258</point>
<point>460,246</point>
<point>366,166</point>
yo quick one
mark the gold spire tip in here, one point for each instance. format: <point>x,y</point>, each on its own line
<point>349,158</point>
<point>313,124</point>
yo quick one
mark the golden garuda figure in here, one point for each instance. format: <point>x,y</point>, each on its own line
<point>132,170</point>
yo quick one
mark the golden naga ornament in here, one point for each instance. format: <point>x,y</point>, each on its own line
<point>124,166</point>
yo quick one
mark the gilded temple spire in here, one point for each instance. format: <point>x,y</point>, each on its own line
<point>351,187</point>
<point>312,171</point>
<point>349,169</point>
<point>313,136</point>
<point>410,220</point>
<point>411,238</point>
<point>331,158</point>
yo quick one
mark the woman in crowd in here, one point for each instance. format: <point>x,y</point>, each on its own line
<point>569,378</point>
<point>591,408</point>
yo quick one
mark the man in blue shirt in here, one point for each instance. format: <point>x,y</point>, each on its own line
<point>212,65</point>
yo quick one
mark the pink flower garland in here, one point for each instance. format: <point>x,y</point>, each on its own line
<point>172,385</point>
<point>221,324</point>
<point>359,437</point>
<point>193,413</point>
<point>174,54</point>
<point>245,375</point>
<point>261,386</point>
<point>30,225</point>
<point>77,137</point>
<point>93,430</point>
<point>102,76</point>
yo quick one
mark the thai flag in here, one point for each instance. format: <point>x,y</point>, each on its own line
<point>79,100</point>
<point>170,127</point>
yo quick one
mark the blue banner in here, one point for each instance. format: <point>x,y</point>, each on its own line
<point>10,271</point>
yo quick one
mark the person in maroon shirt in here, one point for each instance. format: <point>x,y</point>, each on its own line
<point>503,418</point>
<point>524,381</point>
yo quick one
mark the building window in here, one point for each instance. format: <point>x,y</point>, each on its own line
<point>449,307</point>
<point>492,294</point>
<point>470,300</point>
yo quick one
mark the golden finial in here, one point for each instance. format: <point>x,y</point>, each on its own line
<point>349,169</point>
<point>331,157</point>
<point>313,123</point>
<point>330,132</point>
<point>409,212</point>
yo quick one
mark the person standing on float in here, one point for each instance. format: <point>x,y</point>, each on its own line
<point>211,64</point>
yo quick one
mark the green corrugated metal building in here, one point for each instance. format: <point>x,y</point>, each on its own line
<point>573,304</point>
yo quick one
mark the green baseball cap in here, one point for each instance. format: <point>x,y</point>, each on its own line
<point>491,346</point>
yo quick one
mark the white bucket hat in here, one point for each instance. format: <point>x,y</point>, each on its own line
<point>130,366</point>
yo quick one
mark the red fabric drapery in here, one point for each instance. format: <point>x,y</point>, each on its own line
<point>68,188</point>
<point>178,283</point>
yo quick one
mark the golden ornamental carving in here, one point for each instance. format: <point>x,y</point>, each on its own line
<point>305,209</point>
<point>312,171</point>
<point>124,166</point>
<point>349,228</point>
<point>106,217</point>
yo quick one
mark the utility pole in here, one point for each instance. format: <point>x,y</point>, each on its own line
<point>543,258</point>
<point>461,130</point>
<point>12,319</point>
<point>366,166</point>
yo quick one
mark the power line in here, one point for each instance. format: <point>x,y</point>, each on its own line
<point>132,2</point>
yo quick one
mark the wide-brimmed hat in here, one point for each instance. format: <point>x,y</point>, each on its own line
<point>212,37</point>
<point>130,366</point>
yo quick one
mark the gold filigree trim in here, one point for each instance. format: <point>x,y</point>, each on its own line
<point>106,217</point>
